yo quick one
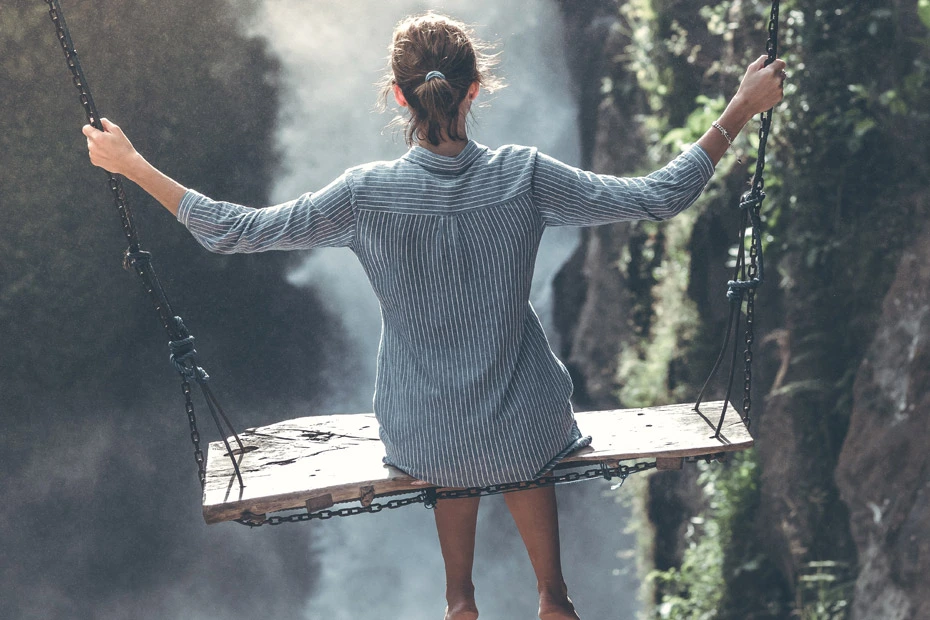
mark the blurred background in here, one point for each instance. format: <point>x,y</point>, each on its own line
<point>257,101</point>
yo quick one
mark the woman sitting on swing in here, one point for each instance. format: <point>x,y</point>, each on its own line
<point>468,392</point>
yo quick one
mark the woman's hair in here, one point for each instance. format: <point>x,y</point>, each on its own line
<point>431,42</point>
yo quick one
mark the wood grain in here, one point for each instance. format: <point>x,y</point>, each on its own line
<point>298,463</point>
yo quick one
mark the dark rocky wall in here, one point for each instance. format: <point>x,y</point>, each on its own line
<point>884,468</point>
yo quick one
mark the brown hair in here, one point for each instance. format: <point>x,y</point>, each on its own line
<point>432,42</point>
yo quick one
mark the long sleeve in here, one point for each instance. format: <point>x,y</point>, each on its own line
<point>567,196</point>
<point>323,218</point>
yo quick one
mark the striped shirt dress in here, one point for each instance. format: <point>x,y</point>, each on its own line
<point>468,391</point>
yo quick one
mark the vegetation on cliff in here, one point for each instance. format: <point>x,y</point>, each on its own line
<point>768,535</point>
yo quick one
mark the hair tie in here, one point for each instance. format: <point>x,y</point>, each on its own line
<point>434,74</point>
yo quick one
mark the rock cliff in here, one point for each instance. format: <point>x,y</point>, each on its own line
<point>884,467</point>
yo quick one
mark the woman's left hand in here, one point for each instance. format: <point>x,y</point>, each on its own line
<point>110,149</point>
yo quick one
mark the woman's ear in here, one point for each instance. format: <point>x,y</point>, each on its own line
<point>473,91</point>
<point>399,96</point>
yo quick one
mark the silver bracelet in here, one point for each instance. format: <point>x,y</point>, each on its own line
<point>723,132</point>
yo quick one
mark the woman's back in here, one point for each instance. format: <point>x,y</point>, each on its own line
<point>468,391</point>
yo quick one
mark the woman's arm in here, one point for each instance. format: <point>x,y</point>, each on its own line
<point>567,196</point>
<point>324,218</point>
<point>760,90</point>
<point>111,149</point>
<point>321,219</point>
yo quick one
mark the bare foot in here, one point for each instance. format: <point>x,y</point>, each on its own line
<point>556,606</point>
<point>462,611</point>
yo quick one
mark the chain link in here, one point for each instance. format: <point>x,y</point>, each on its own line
<point>756,273</point>
<point>195,434</point>
<point>429,497</point>
<point>135,259</point>
<point>90,111</point>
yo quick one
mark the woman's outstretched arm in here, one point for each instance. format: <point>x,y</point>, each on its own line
<point>323,218</point>
<point>111,150</point>
<point>568,196</point>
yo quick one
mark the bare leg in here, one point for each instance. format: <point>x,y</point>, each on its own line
<point>455,521</point>
<point>536,515</point>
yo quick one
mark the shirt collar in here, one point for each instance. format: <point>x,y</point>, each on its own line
<point>442,164</point>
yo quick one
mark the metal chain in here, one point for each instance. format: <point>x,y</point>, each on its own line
<point>756,270</point>
<point>322,515</point>
<point>429,497</point>
<point>90,112</point>
<point>134,258</point>
<point>195,434</point>
<point>747,278</point>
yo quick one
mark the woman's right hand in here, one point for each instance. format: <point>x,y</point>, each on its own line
<point>762,86</point>
<point>110,149</point>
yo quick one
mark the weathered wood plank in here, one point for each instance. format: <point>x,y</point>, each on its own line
<point>321,460</point>
<point>669,463</point>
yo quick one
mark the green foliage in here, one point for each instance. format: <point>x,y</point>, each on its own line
<point>825,591</point>
<point>923,11</point>
<point>638,18</point>
<point>697,590</point>
<point>698,121</point>
<point>850,198</point>
<point>643,371</point>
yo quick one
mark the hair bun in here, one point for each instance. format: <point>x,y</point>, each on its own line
<point>420,44</point>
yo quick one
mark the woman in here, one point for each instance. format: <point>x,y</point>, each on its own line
<point>468,392</point>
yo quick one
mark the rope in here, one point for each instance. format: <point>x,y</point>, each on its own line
<point>180,342</point>
<point>747,278</point>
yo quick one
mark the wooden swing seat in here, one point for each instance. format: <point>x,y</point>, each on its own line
<point>318,461</point>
